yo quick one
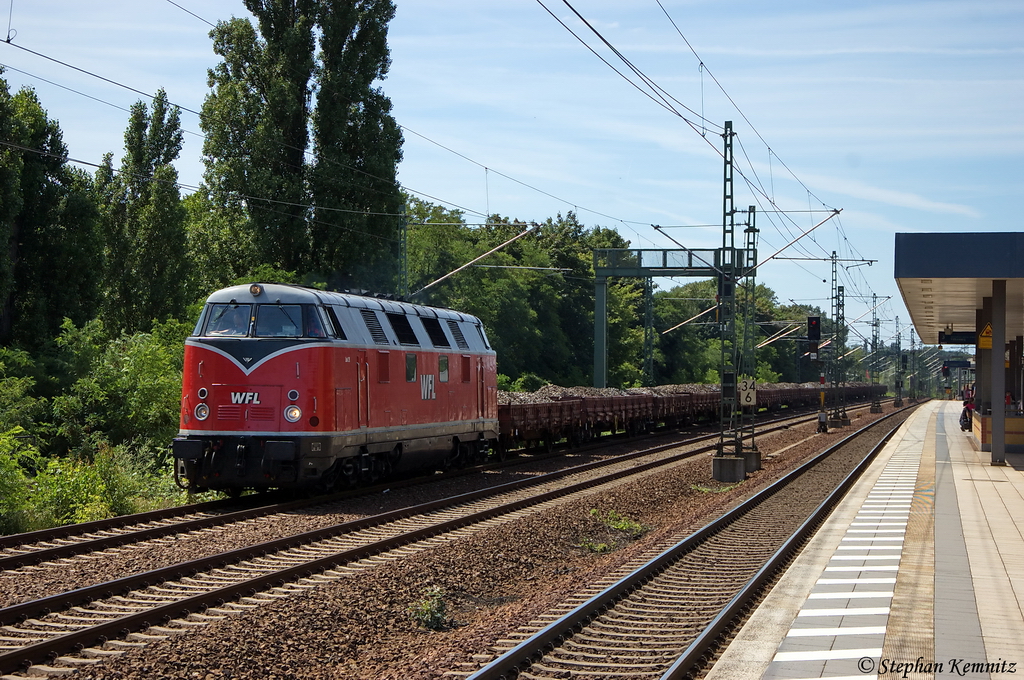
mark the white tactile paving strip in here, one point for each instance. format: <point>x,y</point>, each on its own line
<point>841,625</point>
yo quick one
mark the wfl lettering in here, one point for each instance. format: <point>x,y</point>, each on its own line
<point>427,387</point>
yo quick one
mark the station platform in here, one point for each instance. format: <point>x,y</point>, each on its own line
<point>918,573</point>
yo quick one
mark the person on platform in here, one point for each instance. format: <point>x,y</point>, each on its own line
<point>966,416</point>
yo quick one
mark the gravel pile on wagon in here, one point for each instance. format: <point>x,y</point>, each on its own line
<point>557,393</point>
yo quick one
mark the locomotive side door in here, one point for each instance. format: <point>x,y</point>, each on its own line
<point>362,389</point>
<point>481,389</point>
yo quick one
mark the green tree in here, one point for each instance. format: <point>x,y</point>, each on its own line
<point>683,356</point>
<point>11,162</point>
<point>438,242</point>
<point>127,389</point>
<point>18,460</point>
<point>335,210</point>
<point>48,224</point>
<point>256,120</point>
<point>220,247</point>
<point>144,222</point>
<point>357,146</point>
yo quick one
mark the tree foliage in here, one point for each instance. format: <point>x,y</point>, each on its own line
<point>143,222</point>
<point>50,255</point>
<point>535,297</point>
<point>334,211</point>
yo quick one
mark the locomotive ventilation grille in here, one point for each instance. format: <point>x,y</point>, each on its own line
<point>373,325</point>
<point>460,339</point>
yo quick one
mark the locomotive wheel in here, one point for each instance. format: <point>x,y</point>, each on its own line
<point>467,454</point>
<point>350,472</point>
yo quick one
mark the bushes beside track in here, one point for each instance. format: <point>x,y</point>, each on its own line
<point>84,427</point>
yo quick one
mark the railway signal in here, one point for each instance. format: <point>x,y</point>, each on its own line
<point>813,335</point>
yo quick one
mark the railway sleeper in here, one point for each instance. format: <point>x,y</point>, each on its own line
<point>100,653</point>
<point>49,671</point>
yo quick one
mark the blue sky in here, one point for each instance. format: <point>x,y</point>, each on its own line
<point>907,115</point>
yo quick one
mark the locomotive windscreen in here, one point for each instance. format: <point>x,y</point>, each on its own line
<point>229,320</point>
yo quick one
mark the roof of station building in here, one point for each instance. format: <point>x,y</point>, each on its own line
<point>944,276</point>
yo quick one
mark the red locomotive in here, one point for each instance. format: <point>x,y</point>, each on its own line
<point>287,386</point>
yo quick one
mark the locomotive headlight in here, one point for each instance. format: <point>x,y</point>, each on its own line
<point>202,412</point>
<point>292,413</point>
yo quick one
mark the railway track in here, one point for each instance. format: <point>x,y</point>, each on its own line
<point>59,543</point>
<point>170,600</point>
<point>661,615</point>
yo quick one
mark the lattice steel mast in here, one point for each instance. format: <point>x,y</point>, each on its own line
<point>876,402</point>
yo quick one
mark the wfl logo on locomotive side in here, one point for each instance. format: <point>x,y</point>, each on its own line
<point>427,387</point>
<point>245,397</point>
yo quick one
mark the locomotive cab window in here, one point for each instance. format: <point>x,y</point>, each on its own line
<point>442,368</point>
<point>228,320</point>
<point>198,330</point>
<point>279,321</point>
<point>314,325</point>
<point>410,367</point>
<point>339,332</point>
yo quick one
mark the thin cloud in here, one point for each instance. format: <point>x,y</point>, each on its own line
<point>902,199</point>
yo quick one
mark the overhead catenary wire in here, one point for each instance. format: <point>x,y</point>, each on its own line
<point>359,170</point>
<point>692,318</point>
<point>753,180</point>
<point>731,100</point>
<point>180,185</point>
<point>475,260</point>
<point>754,185</point>
<point>197,113</point>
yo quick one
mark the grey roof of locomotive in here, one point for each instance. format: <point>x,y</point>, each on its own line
<point>291,294</point>
<point>347,305</point>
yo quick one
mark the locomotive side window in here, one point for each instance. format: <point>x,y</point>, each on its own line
<point>339,332</point>
<point>314,326</point>
<point>442,368</point>
<point>410,367</point>
<point>403,329</point>
<point>483,337</point>
<point>383,366</point>
<point>466,366</point>
<point>437,337</point>
<point>228,320</point>
<point>199,323</point>
<point>278,321</point>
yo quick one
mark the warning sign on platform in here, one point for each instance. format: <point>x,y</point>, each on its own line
<point>985,338</point>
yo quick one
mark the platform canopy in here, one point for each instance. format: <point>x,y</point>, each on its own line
<point>944,276</point>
